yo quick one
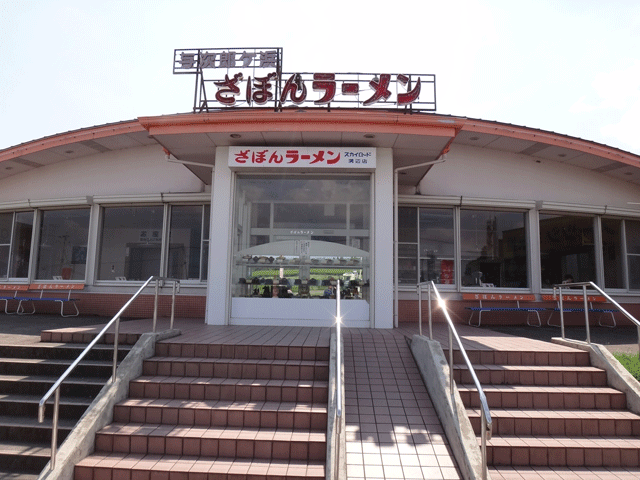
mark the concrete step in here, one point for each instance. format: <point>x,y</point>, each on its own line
<point>27,406</point>
<point>24,457</point>
<point>517,357</point>
<point>564,451</point>
<point>544,397</point>
<point>209,413</point>
<point>28,429</point>
<point>573,423</point>
<point>55,367</point>
<point>264,352</point>
<point>532,375</point>
<point>198,388</point>
<point>263,443</point>
<point>195,468</point>
<point>82,387</point>
<point>62,351</point>
<point>237,368</point>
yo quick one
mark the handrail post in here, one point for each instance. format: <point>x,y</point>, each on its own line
<point>54,425</point>
<point>173,305</point>
<point>483,448</point>
<point>155,305</point>
<point>115,349</point>
<point>419,288</point>
<point>430,315</point>
<point>586,311</point>
<point>561,313</point>
<point>450,360</point>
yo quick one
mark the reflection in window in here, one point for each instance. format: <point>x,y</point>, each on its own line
<point>20,251</point>
<point>632,228</point>
<point>6,223</point>
<point>131,242</point>
<point>612,253</point>
<point>494,248</point>
<point>186,242</point>
<point>62,251</point>
<point>436,246</point>
<point>566,248</point>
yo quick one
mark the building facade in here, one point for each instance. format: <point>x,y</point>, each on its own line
<point>263,214</point>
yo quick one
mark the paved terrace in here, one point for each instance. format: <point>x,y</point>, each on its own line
<point>392,429</point>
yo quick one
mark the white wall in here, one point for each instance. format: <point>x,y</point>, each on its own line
<point>479,172</point>
<point>140,170</point>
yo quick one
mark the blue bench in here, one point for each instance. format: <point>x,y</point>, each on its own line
<point>53,295</point>
<point>498,304</point>
<point>572,299</point>
<point>6,298</point>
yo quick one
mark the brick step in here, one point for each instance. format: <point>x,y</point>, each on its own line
<point>194,468</point>
<point>62,351</point>
<point>570,357</point>
<point>60,336</point>
<point>263,352</point>
<point>573,423</point>
<point>544,397</point>
<point>264,443</point>
<point>573,473</point>
<point>233,389</point>
<point>27,406</point>
<point>82,387</point>
<point>564,451</point>
<point>24,457</point>
<point>532,375</point>
<point>237,368</point>
<point>17,475</point>
<point>55,367</point>
<point>222,413</point>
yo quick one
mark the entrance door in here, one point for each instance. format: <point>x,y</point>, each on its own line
<point>298,239</point>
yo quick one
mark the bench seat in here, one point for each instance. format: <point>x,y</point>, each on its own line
<point>502,297</point>
<point>54,289</point>
<point>591,299</point>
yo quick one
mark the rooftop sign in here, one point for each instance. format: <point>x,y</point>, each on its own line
<point>306,157</point>
<point>249,77</point>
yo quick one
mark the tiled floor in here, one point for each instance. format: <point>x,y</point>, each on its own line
<point>392,430</point>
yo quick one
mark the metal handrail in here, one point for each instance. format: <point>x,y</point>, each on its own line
<point>337,420</point>
<point>595,287</point>
<point>116,319</point>
<point>487,424</point>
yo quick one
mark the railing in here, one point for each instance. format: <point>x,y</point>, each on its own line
<point>55,389</point>
<point>595,287</point>
<point>338,418</point>
<point>487,424</point>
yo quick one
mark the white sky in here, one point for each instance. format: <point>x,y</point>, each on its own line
<point>568,66</point>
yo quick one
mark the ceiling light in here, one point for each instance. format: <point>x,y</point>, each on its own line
<point>68,151</point>
<point>369,135</point>
<point>235,135</point>
<point>474,138</point>
<point>562,155</point>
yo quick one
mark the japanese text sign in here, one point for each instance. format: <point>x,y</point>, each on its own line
<point>324,158</point>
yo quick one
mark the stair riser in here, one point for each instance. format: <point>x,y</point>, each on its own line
<point>228,392</point>
<point>40,388</point>
<point>95,371</point>
<point>220,369</point>
<point>219,417</point>
<point>211,447</point>
<point>547,427</point>
<point>30,464</point>
<point>31,435</point>
<point>106,472</point>
<point>61,353</point>
<point>256,352</point>
<point>563,457</point>
<point>86,338</point>
<point>523,399</point>
<point>489,357</point>
<point>30,409</point>
<point>502,377</point>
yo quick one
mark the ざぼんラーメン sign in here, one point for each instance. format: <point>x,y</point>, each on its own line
<point>249,77</point>
<point>323,158</point>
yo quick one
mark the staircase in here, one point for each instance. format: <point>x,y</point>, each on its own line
<point>550,409</point>
<point>219,411</point>
<point>26,374</point>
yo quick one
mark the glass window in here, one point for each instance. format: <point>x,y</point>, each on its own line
<point>185,242</point>
<point>21,245</point>
<point>62,251</point>
<point>295,235</point>
<point>566,248</point>
<point>494,248</point>
<point>632,228</point>
<point>6,225</point>
<point>408,245</point>
<point>131,243</point>
<point>436,246</point>
<point>612,253</point>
